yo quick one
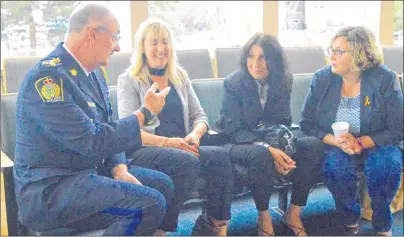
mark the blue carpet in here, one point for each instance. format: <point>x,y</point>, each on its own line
<point>318,217</point>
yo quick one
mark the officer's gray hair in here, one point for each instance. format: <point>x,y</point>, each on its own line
<point>84,14</point>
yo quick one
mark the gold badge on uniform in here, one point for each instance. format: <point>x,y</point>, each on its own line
<point>73,72</point>
<point>52,62</point>
<point>91,104</point>
<point>367,101</point>
<point>50,90</point>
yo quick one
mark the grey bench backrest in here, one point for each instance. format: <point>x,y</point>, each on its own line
<point>15,70</point>
<point>210,93</point>
<point>227,60</point>
<point>114,101</point>
<point>8,112</point>
<point>300,87</point>
<point>304,59</point>
<point>393,58</point>
<point>118,64</point>
<point>196,62</point>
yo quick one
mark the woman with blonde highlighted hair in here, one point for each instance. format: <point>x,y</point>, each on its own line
<point>176,132</point>
<point>356,88</point>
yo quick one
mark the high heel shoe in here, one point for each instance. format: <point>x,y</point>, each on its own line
<point>288,228</point>
<point>265,232</point>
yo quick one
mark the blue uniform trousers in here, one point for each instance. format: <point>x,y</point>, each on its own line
<point>139,213</point>
<point>382,167</point>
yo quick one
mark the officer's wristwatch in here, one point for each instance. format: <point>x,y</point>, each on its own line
<point>148,115</point>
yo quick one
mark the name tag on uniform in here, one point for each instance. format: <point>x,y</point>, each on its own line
<point>91,104</point>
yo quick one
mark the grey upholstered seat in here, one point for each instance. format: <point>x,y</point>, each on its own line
<point>393,58</point>
<point>196,62</point>
<point>15,70</point>
<point>227,60</point>
<point>118,64</point>
<point>304,59</point>
<point>300,87</point>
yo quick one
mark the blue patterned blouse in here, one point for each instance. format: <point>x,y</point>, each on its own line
<point>349,111</point>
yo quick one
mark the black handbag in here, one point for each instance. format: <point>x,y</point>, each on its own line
<point>278,136</point>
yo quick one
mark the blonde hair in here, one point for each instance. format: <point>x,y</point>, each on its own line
<point>138,59</point>
<point>365,50</point>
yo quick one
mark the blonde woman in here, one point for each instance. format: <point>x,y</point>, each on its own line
<point>356,88</point>
<point>177,131</point>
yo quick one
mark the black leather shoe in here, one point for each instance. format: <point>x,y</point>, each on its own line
<point>351,230</point>
<point>205,227</point>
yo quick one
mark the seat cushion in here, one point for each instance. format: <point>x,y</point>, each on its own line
<point>300,87</point>
<point>8,126</point>
<point>210,94</point>
<point>393,58</point>
<point>118,64</point>
<point>15,70</point>
<point>227,60</point>
<point>196,62</point>
<point>297,59</point>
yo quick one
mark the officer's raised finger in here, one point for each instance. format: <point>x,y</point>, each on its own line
<point>165,92</point>
<point>154,87</point>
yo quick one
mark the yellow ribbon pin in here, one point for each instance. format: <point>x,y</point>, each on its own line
<point>367,101</point>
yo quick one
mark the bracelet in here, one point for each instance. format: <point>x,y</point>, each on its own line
<point>358,139</point>
<point>147,115</point>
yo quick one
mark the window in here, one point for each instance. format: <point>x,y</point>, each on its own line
<point>209,24</point>
<point>34,28</point>
<point>398,23</point>
<point>312,23</point>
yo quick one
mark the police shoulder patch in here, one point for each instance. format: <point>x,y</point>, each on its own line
<point>50,89</point>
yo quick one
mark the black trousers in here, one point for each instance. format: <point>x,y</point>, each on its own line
<point>184,168</point>
<point>262,172</point>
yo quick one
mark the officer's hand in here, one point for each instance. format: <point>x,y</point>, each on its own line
<point>127,177</point>
<point>155,101</point>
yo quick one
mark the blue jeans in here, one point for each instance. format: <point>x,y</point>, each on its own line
<point>382,167</point>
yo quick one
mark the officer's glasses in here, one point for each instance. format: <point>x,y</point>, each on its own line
<point>337,52</point>
<point>115,37</point>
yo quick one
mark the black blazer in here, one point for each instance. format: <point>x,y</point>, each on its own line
<point>381,112</point>
<point>241,109</point>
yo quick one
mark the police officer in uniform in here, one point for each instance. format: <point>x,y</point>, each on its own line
<point>70,170</point>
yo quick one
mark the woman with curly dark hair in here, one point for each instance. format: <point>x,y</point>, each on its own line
<point>259,92</point>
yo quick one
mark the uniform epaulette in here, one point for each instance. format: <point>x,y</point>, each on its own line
<point>52,62</point>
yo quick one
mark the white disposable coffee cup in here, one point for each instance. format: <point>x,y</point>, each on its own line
<point>340,128</point>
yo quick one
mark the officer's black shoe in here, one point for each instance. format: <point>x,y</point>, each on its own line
<point>351,230</point>
<point>205,227</point>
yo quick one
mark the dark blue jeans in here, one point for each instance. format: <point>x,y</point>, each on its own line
<point>382,167</point>
<point>139,213</point>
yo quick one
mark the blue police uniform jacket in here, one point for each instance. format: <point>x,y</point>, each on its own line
<point>381,106</point>
<point>64,131</point>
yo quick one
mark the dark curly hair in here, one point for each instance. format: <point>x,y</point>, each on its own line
<point>274,56</point>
